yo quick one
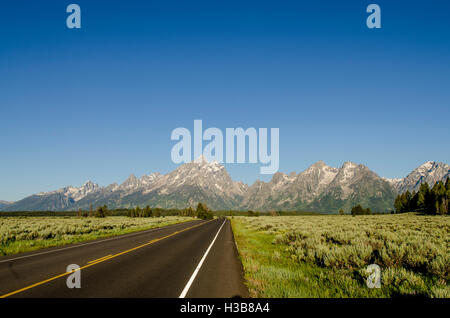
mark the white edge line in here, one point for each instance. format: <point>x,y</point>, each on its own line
<point>197,269</point>
<point>94,242</point>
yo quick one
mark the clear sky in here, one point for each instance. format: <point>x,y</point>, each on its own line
<point>100,103</point>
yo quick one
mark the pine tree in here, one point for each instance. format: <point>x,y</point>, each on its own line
<point>423,196</point>
<point>444,206</point>
<point>413,202</point>
<point>148,211</point>
<point>190,212</point>
<point>203,212</point>
<point>138,212</point>
<point>101,211</point>
<point>398,205</point>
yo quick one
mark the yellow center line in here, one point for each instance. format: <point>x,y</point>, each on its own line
<point>100,260</point>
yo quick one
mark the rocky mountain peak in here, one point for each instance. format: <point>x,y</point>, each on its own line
<point>278,177</point>
<point>319,164</point>
<point>89,185</point>
<point>130,183</point>
<point>430,172</point>
<point>349,165</point>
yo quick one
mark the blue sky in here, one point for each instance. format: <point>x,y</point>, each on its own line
<point>100,103</point>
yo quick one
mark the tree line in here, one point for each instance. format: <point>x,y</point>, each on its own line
<point>359,210</point>
<point>428,200</point>
<point>202,212</point>
<point>101,212</point>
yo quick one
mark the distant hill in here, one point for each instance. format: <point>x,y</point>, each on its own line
<point>4,204</point>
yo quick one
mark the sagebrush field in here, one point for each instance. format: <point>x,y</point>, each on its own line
<point>327,256</point>
<point>21,234</point>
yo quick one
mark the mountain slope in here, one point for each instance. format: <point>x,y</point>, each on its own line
<point>356,184</point>
<point>4,204</point>
<point>289,192</point>
<point>429,172</point>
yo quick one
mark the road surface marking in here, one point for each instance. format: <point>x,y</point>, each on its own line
<point>99,261</point>
<point>191,280</point>
<point>95,242</point>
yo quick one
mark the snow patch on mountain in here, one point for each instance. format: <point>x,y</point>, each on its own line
<point>74,193</point>
<point>430,172</point>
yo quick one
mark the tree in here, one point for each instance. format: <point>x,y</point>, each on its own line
<point>423,197</point>
<point>398,204</point>
<point>359,210</point>
<point>439,193</point>
<point>138,212</point>
<point>147,211</point>
<point>430,201</point>
<point>356,210</point>
<point>156,212</point>
<point>341,212</point>
<point>252,213</point>
<point>443,209</point>
<point>412,205</point>
<point>190,212</point>
<point>130,213</point>
<point>101,212</point>
<point>203,212</point>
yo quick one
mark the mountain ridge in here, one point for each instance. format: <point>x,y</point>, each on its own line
<point>319,188</point>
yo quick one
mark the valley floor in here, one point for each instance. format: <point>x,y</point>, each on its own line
<point>327,256</point>
<point>23,234</point>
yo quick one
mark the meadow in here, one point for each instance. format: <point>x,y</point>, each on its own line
<point>22,233</point>
<point>327,255</point>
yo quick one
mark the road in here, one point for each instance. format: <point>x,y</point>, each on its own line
<point>193,259</point>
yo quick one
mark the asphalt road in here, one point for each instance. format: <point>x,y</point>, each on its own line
<point>194,259</point>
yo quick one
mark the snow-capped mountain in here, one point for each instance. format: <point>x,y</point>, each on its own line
<point>73,193</point>
<point>5,203</point>
<point>132,183</point>
<point>289,191</point>
<point>193,182</point>
<point>211,176</point>
<point>318,188</point>
<point>429,172</point>
<point>356,184</point>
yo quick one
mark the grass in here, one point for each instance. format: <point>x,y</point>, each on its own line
<point>23,234</point>
<point>327,256</point>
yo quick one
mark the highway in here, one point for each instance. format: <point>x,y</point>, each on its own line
<point>192,259</point>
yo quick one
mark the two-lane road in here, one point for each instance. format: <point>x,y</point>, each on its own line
<point>193,259</point>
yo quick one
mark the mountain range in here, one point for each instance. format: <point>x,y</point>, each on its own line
<point>319,188</point>
<point>4,203</point>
